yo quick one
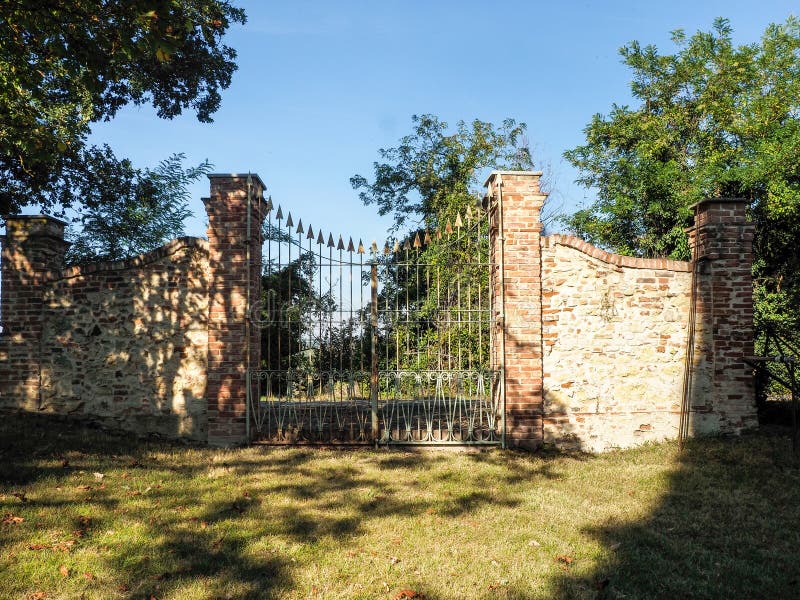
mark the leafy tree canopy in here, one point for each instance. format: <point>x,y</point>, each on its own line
<point>148,209</point>
<point>67,64</point>
<point>712,119</point>
<point>433,172</point>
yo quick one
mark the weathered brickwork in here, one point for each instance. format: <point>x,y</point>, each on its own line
<point>153,344</point>
<point>615,332</point>
<point>516,229</point>
<point>722,393</point>
<point>594,345</point>
<point>234,268</point>
<point>123,343</point>
<point>32,249</point>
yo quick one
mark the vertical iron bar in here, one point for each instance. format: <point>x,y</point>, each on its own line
<point>330,312</point>
<point>374,322</point>
<point>289,298</point>
<point>502,239</point>
<point>406,283</point>
<point>341,312</point>
<point>396,320</point>
<point>269,295</point>
<point>319,313</point>
<point>416,307</point>
<point>361,308</point>
<point>279,319</point>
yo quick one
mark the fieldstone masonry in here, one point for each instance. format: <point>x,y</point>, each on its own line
<point>593,346</point>
<point>596,343</point>
<point>154,344</point>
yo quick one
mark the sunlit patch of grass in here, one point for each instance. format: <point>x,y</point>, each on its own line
<point>106,516</point>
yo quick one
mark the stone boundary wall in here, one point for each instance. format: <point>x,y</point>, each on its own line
<point>125,342</point>
<point>594,346</point>
<point>158,343</point>
<point>615,330</point>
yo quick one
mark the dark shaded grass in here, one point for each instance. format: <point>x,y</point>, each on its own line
<point>129,518</point>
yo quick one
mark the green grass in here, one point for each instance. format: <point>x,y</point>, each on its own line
<point>131,519</point>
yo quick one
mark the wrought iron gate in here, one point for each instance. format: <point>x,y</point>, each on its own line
<point>364,345</point>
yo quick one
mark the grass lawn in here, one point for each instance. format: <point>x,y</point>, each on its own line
<point>86,514</point>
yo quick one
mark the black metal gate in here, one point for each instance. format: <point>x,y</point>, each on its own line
<point>376,345</point>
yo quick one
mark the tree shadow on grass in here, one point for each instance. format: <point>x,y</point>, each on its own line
<point>727,527</point>
<point>184,533</point>
<point>200,522</point>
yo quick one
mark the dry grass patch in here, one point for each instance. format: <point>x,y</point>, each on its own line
<point>94,515</point>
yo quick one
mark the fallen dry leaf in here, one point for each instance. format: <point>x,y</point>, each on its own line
<point>85,521</point>
<point>567,560</point>
<point>408,594</point>
<point>63,570</point>
<point>89,576</point>
<point>123,587</point>
<point>38,546</point>
<point>64,546</point>
<point>22,497</point>
<point>9,519</point>
<point>37,596</point>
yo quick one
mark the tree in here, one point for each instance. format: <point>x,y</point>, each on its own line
<point>429,183</point>
<point>433,173</point>
<point>147,210</point>
<point>713,119</point>
<point>67,64</point>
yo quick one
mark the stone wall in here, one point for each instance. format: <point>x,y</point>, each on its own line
<point>126,342</point>
<point>159,343</point>
<point>123,343</point>
<point>614,333</point>
<point>598,351</point>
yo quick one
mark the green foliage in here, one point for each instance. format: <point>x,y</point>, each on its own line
<point>67,64</point>
<point>146,210</point>
<point>430,297</point>
<point>713,119</point>
<point>433,173</point>
<point>291,310</point>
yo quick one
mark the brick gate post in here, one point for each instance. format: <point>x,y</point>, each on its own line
<point>32,247</point>
<point>516,202</point>
<point>230,276</point>
<point>723,396</point>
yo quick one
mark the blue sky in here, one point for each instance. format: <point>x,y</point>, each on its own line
<point>321,86</point>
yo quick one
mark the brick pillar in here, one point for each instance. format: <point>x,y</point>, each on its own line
<point>32,247</point>
<point>723,396</point>
<point>229,330</point>
<point>516,204</point>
